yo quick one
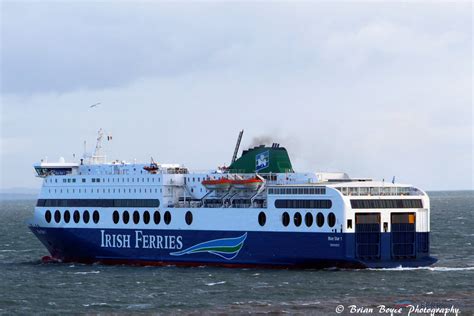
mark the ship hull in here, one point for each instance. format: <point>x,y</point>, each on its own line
<point>217,248</point>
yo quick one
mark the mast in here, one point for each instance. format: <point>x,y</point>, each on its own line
<point>99,156</point>
<point>237,145</point>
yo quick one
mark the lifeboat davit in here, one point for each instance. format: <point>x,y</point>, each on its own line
<point>217,184</point>
<point>247,184</point>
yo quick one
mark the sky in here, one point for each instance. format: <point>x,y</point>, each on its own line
<point>374,89</point>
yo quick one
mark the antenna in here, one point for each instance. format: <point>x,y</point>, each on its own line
<point>98,156</point>
<point>237,145</point>
<point>98,145</point>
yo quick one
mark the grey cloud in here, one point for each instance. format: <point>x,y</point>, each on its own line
<point>372,89</point>
<point>58,47</point>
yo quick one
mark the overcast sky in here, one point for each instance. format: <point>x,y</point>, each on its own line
<point>373,89</point>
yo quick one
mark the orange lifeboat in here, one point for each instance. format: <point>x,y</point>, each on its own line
<point>217,184</point>
<point>152,168</point>
<point>247,184</point>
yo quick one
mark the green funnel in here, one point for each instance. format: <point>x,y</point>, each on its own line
<point>262,159</point>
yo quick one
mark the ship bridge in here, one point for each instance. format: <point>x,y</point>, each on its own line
<point>44,168</point>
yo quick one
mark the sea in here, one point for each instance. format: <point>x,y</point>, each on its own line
<point>29,286</point>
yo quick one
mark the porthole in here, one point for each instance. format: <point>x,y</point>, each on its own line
<point>297,219</point>
<point>136,217</point>
<point>95,216</point>
<point>156,217</point>
<point>47,216</point>
<point>167,217</point>
<point>189,217</point>
<point>146,217</point>
<point>76,216</point>
<point>308,219</point>
<point>262,218</point>
<point>67,217</point>
<point>331,219</point>
<point>86,216</point>
<point>320,219</point>
<point>285,219</point>
<point>125,217</point>
<point>57,216</point>
<point>116,217</point>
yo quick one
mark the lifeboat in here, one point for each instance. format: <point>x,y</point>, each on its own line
<point>152,168</point>
<point>217,184</point>
<point>247,184</point>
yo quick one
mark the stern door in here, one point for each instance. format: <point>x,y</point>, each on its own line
<point>367,231</point>
<point>403,232</point>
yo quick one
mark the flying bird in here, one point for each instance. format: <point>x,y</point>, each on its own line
<point>94,105</point>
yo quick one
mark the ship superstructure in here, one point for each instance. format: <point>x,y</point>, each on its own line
<point>256,212</point>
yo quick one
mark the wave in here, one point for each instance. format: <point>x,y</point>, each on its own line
<point>216,283</point>
<point>87,272</point>
<point>438,269</point>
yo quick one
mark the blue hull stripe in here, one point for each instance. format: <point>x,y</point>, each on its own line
<point>187,247</point>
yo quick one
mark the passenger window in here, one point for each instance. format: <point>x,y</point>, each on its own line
<point>297,219</point>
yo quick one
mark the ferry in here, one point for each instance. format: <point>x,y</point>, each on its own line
<point>257,212</point>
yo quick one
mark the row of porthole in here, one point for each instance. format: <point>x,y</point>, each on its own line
<point>76,216</point>
<point>298,219</point>
<point>147,217</point>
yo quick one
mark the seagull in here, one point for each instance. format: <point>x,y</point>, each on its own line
<point>94,105</point>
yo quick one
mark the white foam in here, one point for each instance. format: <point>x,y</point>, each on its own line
<point>87,272</point>
<point>438,269</point>
<point>216,283</point>
<point>139,306</point>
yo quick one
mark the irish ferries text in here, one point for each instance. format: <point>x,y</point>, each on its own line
<point>140,240</point>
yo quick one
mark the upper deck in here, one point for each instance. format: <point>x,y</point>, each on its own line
<point>175,186</point>
<point>260,178</point>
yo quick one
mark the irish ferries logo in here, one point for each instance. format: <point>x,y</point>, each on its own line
<point>227,248</point>
<point>262,160</point>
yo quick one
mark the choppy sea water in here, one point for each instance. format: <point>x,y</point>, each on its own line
<point>29,286</point>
